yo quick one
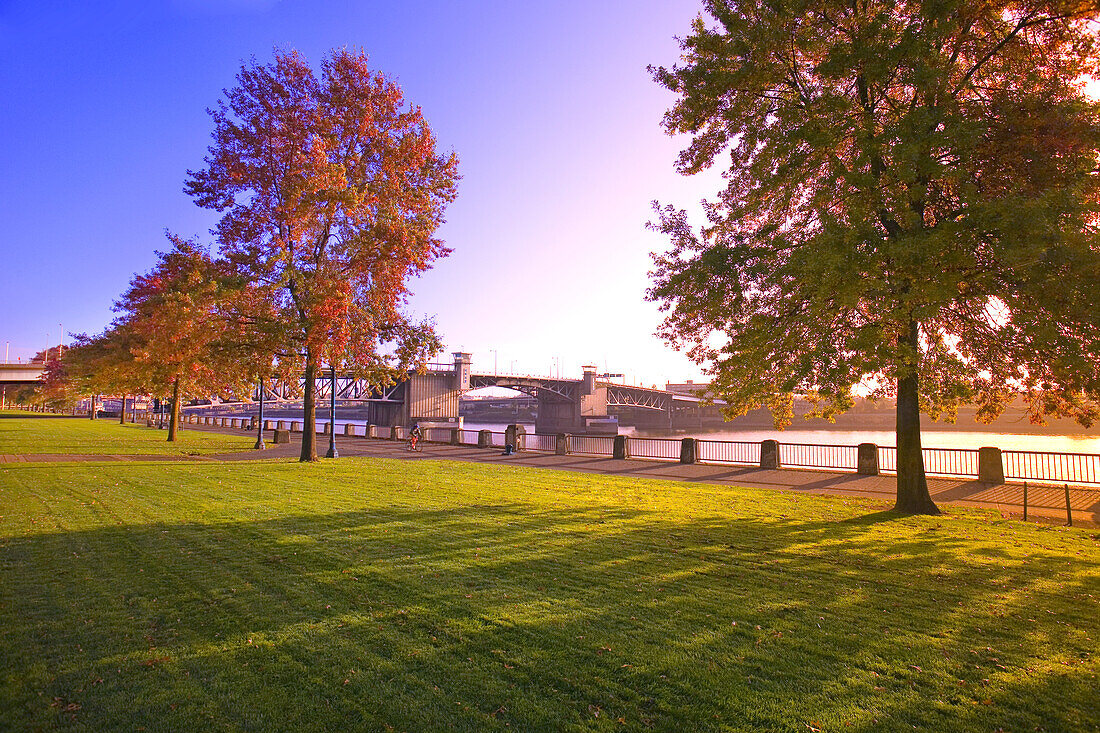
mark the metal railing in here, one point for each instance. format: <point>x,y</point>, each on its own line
<point>661,449</point>
<point>937,461</point>
<point>807,455</point>
<point>438,435</point>
<point>728,451</point>
<point>1035,466</point>
<point>591,445</point>
<point>539,442</point>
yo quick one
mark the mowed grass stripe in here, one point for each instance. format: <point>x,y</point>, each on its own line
<point>460,596</point>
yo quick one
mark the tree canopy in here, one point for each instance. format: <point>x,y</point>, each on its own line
<point>911,205</point>
<point>330,190</point>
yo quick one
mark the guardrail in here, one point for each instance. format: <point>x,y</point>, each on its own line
<point>1066,467</point>
<point>988,464</point>
<point>937,461</point>
<point>660,449</point>
<point>807,455</point>
<point>591,445</point>
<point>728,451</point>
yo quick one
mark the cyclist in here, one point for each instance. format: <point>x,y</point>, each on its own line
<point>414,436</point>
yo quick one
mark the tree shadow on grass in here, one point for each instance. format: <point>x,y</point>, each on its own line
<point>521,616</point>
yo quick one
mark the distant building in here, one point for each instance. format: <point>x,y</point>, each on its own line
<point>687,388</point>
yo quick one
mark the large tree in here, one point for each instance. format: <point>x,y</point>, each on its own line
<point>176,329</point>
<point>911,205</point>
<point>331,191</point>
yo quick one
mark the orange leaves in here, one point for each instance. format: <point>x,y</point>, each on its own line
<point>331,189</point>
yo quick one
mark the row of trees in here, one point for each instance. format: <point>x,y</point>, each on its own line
<point>330,190</point>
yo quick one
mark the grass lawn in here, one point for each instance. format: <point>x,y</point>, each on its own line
<point>22,432</point>
<point>372,594</point>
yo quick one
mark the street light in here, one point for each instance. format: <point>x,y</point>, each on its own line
<point>260,424</point>
<point>332,416</point>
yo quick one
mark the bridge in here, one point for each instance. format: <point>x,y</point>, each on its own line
<point>576,406</point>
<point>15,376</point>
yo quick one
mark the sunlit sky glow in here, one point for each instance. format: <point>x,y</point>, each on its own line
<point>549,106</point>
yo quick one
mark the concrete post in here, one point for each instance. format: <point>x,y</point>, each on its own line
<point>991,469</point>
<point>397,433</point>
<point>349,428</point>
<point>295,427</point>
<point>484,438</point>
<point>281,425</point>
<point>327,428</point>
<point>281,436</point>
<point>867,459</point>
<point>561,445</point>
<point>689,450</point>
<point>621,447</point>
<point>516,435</point>
<point>769,454</point>
<point>267,425</point>
<point>371,431</point>
<point>456,436</point>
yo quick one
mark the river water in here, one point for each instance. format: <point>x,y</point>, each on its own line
<point>929,438</point>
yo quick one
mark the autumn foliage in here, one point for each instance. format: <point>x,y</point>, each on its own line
<point>330,190</point>
<point>910,204</point>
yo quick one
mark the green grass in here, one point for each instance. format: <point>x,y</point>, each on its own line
<point>21,433</point>
<point>372,594</point>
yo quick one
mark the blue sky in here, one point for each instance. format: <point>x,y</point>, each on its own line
<point>548,105</point>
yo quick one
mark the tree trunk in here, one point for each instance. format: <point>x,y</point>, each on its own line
<point>174,415</point>
<point>122,412</point>
<point>309,418</point>
<point>913,496</point>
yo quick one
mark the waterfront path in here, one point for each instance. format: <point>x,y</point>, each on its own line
<point>1047,503</point>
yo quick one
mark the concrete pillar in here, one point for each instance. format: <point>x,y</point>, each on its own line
<point>867,459</point>
<point>372,431</point>
<point>235,422</point>
<point>281,436</point>
<point>295,427</point>
<point>207,420</point>
<point>349,428</point>
<point>397,433</point>
<point>484,438</point>
<point>456,436</point>
<point>689,450</point>
<point>516,435</point>
<point>991,469</point>
<point>268,425</point>
<point>327,428</point>
<point>280,425</point>
<point>621,447</point>
<point>561,445</point>
<point>769,454</point>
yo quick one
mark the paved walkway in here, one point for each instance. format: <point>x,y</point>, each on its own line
<point>1046,502</point>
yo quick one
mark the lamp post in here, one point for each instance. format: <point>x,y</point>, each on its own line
<point>260,421</point>
<point>332,414</point>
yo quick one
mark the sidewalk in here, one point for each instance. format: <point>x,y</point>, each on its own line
<point>1046,502</point>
